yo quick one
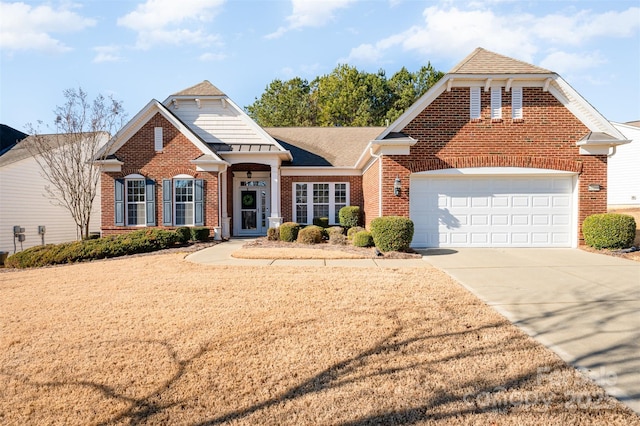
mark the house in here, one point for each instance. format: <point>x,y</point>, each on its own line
<point>623,173</point>
<point>499,153</point>
<point>24,202</point>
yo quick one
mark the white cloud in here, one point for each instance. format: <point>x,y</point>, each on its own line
<point>451,33</point>
<point>170,21</point>
<point>564,62</point>
<point>310,13</point>
<point>25,27</point>
<point>107,54</point>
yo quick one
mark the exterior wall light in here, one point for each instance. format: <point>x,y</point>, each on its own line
<point>249,174</point>
<point>397,187</point>
<point>594,187</point>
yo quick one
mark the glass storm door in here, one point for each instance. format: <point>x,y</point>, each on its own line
<point>254,207</point>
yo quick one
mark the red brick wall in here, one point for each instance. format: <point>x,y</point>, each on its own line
<point>545,138</point>
<point>286,191</point>
<point>139,156</point>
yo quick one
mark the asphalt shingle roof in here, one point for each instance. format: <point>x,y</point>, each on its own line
<point>324,146</point>
<point>201,89</point>
<point>482,61</point>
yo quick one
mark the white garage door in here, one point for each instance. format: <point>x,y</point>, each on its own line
<point>491,211</point>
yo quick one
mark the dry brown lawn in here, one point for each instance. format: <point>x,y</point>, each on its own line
<point>158,340</point>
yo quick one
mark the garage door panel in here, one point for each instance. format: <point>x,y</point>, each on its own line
<point>483,211</point>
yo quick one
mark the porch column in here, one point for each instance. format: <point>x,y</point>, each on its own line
<point>224,220</point>
<point>275,219</point>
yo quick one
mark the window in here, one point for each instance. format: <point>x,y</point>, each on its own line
<point>496,103</point>
<point>516,103</point>
<point>323,199</point>
<point>183,193</point>
<point>136,215</point>
<point>135,201</point>
<point>474,104</point>
<point>183,201</point>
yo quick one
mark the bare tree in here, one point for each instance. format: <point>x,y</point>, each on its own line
<point>66,156</point>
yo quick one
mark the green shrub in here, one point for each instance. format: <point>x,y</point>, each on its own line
<point>273,234</point>
<point>349,216</point>
<point>609,230</point>
<point>353,231</point>
<point>184,234</point>
<point>322,222</point>
<point>363,239</point>
<point>289,231</point>
<point>392,233</point>
<point>142,241</point>
<point>311,234</point>
<point>200,233</point>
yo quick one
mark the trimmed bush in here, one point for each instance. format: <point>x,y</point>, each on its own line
<point>353,231</point>
<point>363,239</point>
<point>184,234</point>
<point>338,239</point>
<point>609,230</point>
<point>289,231</point>
<point>322,222</point>
<point>392,233</point>
<point>142,241</point>
<point>273,234</point>
<point>349,216</point>
<point>311,234</point>
<point>200,234</point>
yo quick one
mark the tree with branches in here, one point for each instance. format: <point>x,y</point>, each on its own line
<point>66,156</point>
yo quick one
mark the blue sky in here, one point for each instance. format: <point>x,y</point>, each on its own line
<point>139,50</point>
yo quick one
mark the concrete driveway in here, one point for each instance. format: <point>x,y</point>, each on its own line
<point>584,306</point>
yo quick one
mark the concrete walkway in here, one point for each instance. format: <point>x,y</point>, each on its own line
<point>220,254</point>
<point>584,306</point>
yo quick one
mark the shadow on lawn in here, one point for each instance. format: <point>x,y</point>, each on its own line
<point>353,369</point>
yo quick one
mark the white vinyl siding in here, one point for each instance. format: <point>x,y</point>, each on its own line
<point>474,103</point>
<point>321,199</point>
<point>496,103</point>
<point>516,103</point>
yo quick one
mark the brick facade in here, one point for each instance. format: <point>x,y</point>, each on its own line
<point>371,192</point>
<point>139,157</point>
<point>545,138</point>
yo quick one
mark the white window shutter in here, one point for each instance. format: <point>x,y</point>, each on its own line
<point>474,105</point>
<point>157,138</point>
<point>496,103</point>
<point>516,103</point>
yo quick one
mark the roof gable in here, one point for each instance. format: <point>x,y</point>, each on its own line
<point>482,61</point>
<point>141,118</point>
<point>477,69</point>
<point>201,89</point>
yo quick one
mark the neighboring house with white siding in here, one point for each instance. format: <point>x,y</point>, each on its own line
<point>24,203</point>
<point>623,175</point>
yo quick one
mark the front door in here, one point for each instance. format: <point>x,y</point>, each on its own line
<point>252,206</point>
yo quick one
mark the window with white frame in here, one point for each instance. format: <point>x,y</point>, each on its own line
<point>496,103</point>
<point>474,103</point>
<point>183,201</point>
<point>516,103</point>
<point>319,199</point>
<point>136,201</point>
